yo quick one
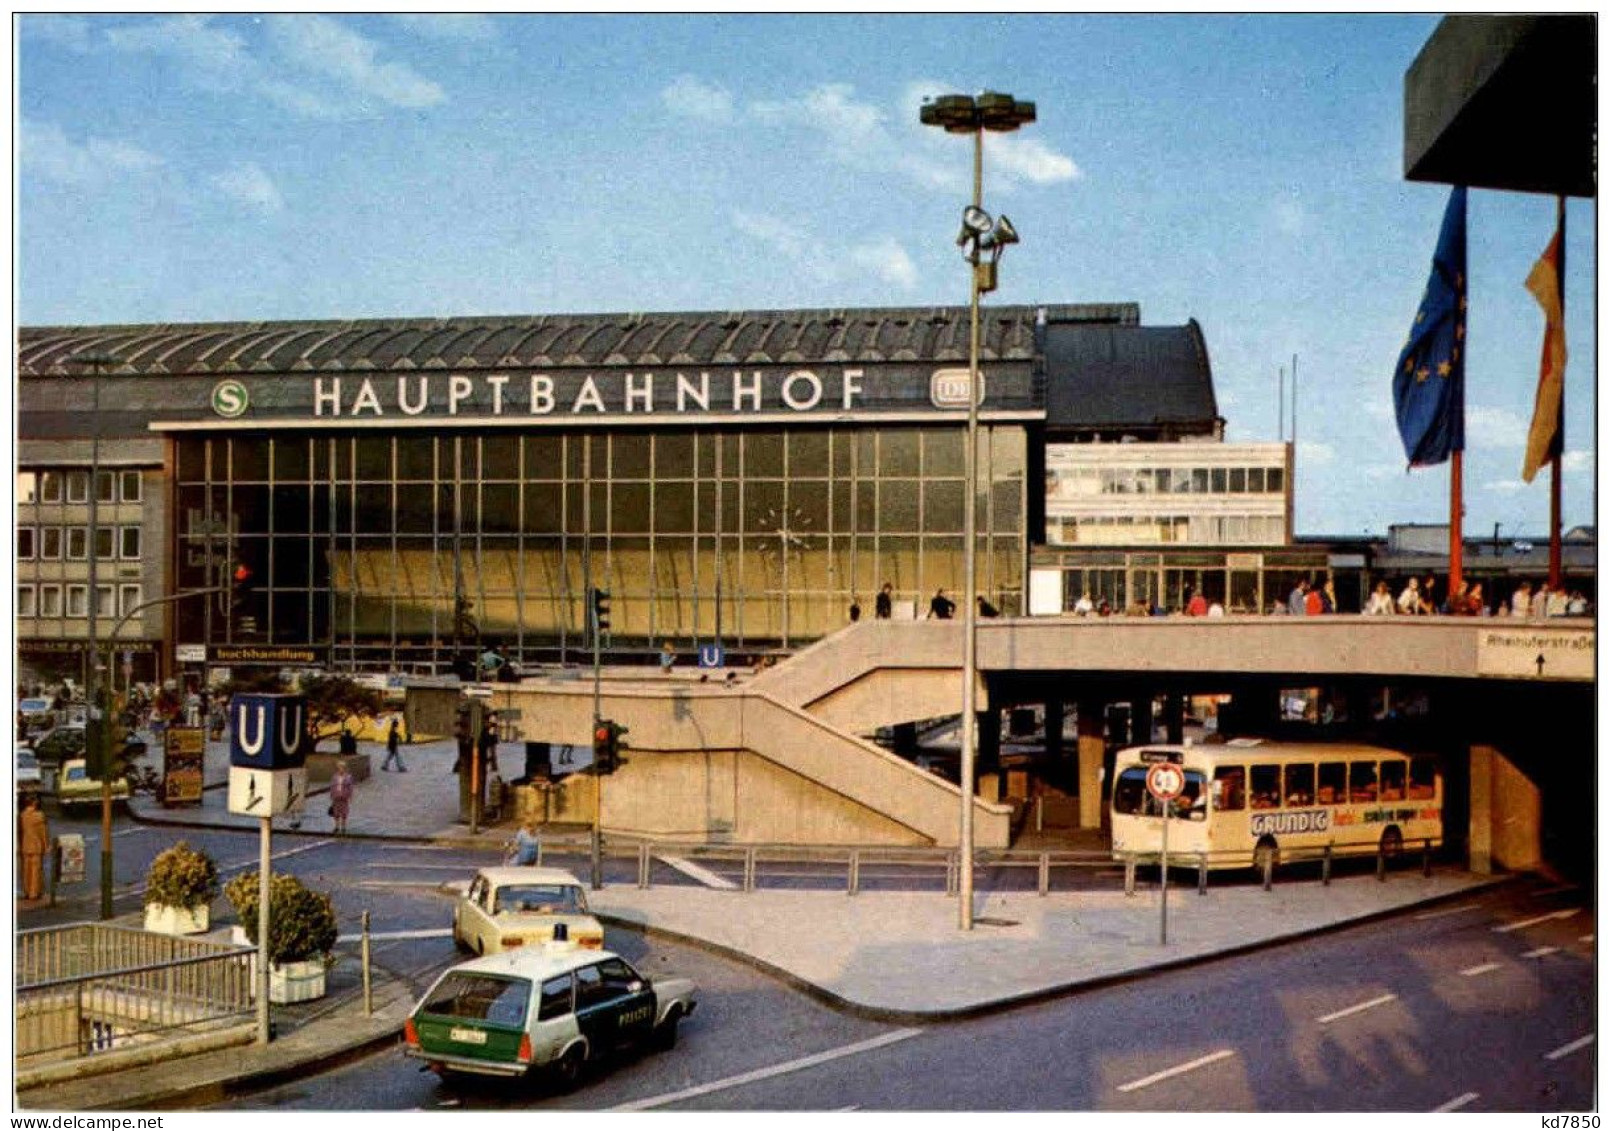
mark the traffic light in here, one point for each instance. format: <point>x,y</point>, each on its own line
<point>104,738</point>
<point>601,610</point>
<point>607,746</point>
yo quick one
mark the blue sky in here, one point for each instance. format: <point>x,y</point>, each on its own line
<point>1241,170</point>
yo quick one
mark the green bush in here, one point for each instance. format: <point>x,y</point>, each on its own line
<point>183,877</point>
<point>301,922</point>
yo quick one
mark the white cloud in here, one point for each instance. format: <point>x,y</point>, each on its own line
<point>71,32</point>
<point>1027,158</point>
<point>1504,486</point>
<point>691,97</point>
<point>1576,461</point>
<point>462,27</point>
<point>322,46</point>
<point>321,68</point>
<point>248,184</point>
<point>1382,471</point>
<point>52,155</point>
<point>887,260</point>
<point>1314,453</point>
<point>882,258</point>
<point>1493,427</point>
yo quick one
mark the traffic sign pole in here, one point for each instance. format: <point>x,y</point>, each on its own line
<point>1163,927</point>
<point>1165,781</point>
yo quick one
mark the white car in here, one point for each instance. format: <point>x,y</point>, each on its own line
<point>553,1005</point>
<point>28,775</point>
<point>520,906</point>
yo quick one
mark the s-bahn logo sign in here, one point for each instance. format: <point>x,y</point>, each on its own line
<point>230,399</point>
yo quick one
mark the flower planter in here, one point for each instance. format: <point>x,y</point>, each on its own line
<point>167,920</point>
<point>291,982</point>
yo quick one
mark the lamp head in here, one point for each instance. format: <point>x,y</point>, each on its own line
<point>1000,236</point>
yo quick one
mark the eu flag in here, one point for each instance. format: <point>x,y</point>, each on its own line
<point>1428,386</point>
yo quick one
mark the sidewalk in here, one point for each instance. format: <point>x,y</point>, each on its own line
<point>895,956</point>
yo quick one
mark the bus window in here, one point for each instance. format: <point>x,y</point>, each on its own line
<point>1129,791</point>
<point>1422,779</point>
<point>1393,780</point>
<point>1191,804</point>
<point>1300,785</point>
<point>1266,787</point>
<point>1230,788</point>
<point>1332,783</point>
<point>1361,781</point>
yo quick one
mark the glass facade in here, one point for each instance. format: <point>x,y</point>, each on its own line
<point>401,549</point>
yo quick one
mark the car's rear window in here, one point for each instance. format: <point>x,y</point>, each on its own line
<point>480,997</point>
<point>547,899</point>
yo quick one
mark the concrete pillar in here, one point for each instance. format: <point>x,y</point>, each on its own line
<point>1092,749</point>
<point>1055,712</point>
<point>1174,717</point>
<point>1506,814</point>
<point>1141,720</point>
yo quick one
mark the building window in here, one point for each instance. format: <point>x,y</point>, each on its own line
<point>25,601</point>
<point>1275,480</point>
<point>128,599</point>
<point>131,486</point>
<point>78,486</point>
<point>129,543</point>
<point>1255,480</point>
<point>50,600</point>
<point>105,601</point>
<point>78,600</point>
<point>50,486</point>
<point>25,543</point>
<point>50,544</point>
<point>77,543</point>
<point>27,487</point>
<point>106,487</point>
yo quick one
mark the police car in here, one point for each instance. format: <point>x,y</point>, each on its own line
<point>556,1006</point>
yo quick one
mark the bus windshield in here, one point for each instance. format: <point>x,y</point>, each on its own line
<point>1131,798</point>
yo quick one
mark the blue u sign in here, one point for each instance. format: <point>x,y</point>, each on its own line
<point>711,656</point>
<point>268,732</point>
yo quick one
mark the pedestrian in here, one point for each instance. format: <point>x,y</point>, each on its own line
<point>1084,606</point>
<point>1557,601</point>
<point>855,609</point>
<point>1428,595</point>
<point>1297,602</point>
<point>1409,599</point>
<point>33,841</point>
<point>883,609</point>
<point>1215,610</point>
<point>527,845</point>
<point>1380,603</point>
<point>341,787</point>
<point>985,609</point>
<point>667,656</point>
<point>1520,602</point>
<point>1576,605</point>
<point>941,607</point>
<point>1196,606</point>
<point>394,747</point>
<point>348,743</point>
<point>1540,601</point>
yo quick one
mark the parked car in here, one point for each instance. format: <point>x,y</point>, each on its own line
<point>74,787</point>
<point>29,778</point>
<point>554,1006</point>
<point>59,744</point>
<point>519,906</point>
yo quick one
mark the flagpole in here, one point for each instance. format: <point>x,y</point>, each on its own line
<point>1556,571</point>
<point>1456,534</point>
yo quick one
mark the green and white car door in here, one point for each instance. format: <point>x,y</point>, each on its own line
<point>614,1005</point>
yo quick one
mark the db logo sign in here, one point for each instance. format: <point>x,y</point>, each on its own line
<point>948,388</point>
<point>229,398</point>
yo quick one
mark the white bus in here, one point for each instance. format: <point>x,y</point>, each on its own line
<point>1247,800</point>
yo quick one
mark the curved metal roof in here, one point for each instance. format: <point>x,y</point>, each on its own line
<point>551,341</point>
<point>1109,377</point>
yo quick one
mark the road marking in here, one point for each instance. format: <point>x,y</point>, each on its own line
<point>376,936</point>
<point>1457,1102</point>
<point>704,875</point>
<point>766,1073</point>
<point>1536,919</point>
<point>1472,971</point>
<point>1359,1008</point>
<point>1446,911</point>
<point>1177,1070</point>
<point>1541,952</point>
<point>1574,1046</point>
<point>459,868</point>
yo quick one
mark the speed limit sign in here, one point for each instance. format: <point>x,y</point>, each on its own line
<point>1165,780</point>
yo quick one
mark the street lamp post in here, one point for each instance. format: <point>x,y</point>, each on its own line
<point>965,114</point>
